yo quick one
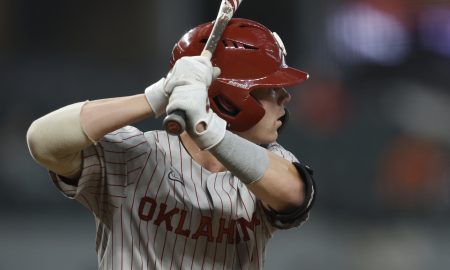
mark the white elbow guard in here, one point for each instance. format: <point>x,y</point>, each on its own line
<point>57,139</point>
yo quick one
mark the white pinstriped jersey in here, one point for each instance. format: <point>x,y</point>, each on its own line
<point>156,208</point>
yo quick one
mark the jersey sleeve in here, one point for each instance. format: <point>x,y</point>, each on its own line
<point>109,167</point>
<point>299,215</point>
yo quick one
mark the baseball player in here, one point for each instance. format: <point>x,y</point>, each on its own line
<point>210,198</point>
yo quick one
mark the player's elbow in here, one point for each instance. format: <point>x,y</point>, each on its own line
<point>33,137</point>
<point>295,195</point>
<point>37,142</point>
<point>294,189</point>
<point>290,197</point>
<point>32,140</point>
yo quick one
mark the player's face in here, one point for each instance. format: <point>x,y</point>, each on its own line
<point>266,130</point>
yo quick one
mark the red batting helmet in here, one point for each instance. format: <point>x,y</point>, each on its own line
<point>250,57</point>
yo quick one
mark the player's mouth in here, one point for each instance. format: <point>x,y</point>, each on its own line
<point>280,120</point>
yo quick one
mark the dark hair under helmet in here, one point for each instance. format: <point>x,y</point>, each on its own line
<point>250,57</point>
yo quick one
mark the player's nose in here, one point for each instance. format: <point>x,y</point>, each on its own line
<point>283,96</point>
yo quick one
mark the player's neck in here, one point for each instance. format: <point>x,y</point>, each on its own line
<point>204,158</point>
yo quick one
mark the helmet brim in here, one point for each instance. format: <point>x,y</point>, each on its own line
<point>283,77</point>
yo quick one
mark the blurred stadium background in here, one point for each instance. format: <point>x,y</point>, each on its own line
<point>373,120</point>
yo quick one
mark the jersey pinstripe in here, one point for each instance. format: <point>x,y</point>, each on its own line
<point>156,208</point>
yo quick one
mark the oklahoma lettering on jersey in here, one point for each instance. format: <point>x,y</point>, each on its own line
<point>156,208</point>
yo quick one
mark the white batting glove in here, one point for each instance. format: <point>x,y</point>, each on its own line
<point>193,100</point>
<point>188,70</point>
<point>190,94</point>
<point>191,70</point>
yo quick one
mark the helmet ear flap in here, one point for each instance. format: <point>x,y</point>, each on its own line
<point>234,105</point>
<point>225,106</point>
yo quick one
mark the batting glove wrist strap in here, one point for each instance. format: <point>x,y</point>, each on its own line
<point>157,97</point>
<point>212,135</point>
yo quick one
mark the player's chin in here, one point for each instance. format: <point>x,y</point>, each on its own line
<point>269,137</point>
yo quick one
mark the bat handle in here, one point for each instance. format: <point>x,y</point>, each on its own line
<point>175,122</point>
<point>206,53</point>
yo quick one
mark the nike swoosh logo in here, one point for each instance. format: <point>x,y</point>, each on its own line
<point>174,177</point>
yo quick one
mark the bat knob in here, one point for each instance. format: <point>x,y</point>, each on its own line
<point>175,123</point>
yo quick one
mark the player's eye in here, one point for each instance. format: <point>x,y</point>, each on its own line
<point>266,93</point>
<point>273,92</point>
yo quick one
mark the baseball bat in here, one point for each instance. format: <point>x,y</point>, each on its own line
<point>175,122</point>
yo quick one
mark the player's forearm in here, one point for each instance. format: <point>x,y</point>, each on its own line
<point>100,117</point>
<point>271,178</point>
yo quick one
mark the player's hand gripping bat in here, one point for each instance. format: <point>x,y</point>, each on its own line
<point>175,122</point>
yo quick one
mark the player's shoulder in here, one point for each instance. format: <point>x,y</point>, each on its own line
<point>279,150</point>
<point>275,147</point>
<point>157,136</point>
<point>162,140</point>
<point>123,134</point>
<point>125,137</point>
<point>130,134</point>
